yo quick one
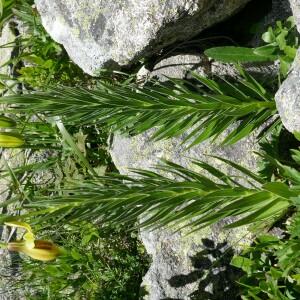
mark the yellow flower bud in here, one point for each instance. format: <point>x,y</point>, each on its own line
<point>42,250</point>
<point>36,249</point>
<point>11,140</point>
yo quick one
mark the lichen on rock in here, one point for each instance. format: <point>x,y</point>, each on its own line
<point>110,34</point>
<point>187,265</point>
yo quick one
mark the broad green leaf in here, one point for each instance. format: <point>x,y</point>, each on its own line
<point>236,54</point>
<point>269,37</point>
<point>285,64</point>
<point>290,51</point>
<point>267,50</point>
<point>281,39</point>
<point>267,238</point>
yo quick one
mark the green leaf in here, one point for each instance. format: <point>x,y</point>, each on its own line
<point>291,173</point>
<point>267,50</point>
<point>236,54</point>
<point>67,137</point>
<point>267,238</point>
<point>245,171</point>
<point>242,263</point>
<point>75,254</point>
<point>290,51</point>
<point>6,122</point>
<point>297,135</point>
<point>281,39</point>
<point>268,37</point>
<point>1,8</point>
<point>285,65</point>
<point>297,278</point>
<point>54,271</point>
<point>276,273</point>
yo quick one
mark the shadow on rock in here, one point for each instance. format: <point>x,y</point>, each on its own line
<point>217,278</point>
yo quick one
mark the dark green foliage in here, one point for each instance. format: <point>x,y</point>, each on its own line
<point>277,147</point>
<point>198,200</point>
<point>239,54</point>
<point>281,43</point>
<point>46,62</point>
<point>104,264</point>
<point>272,266</point>
<point>207,107</point>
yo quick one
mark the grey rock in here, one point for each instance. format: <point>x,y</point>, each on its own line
<point>295,5</point>
<point>176,271</point>
<point>6,37</point>
<point>281,10</point>
<point>288,99</point>
<point>183,265</point>
<point>109,34</point>
<point>288,96</point>
<point>172,253</point>
<point>180,66</point>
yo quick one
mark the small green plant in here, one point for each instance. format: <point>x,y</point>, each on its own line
<point>47,63</point>
<point>272,266</point>
<point>282,43</point>
<point>40,61</point>
<point>98,264</point>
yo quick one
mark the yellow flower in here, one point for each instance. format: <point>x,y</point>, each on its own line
<point>11,140</point>
<point>36,249</point>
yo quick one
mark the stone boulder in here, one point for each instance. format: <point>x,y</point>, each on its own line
<point>288,96</point>
<point>295,5</point>
<point>194,266</point>
<point>111,34</point>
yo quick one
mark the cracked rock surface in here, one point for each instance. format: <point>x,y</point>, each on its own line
<point>111,34</point>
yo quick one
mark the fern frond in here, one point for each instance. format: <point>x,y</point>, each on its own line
<point>159,200</point>
<point>204,109</point>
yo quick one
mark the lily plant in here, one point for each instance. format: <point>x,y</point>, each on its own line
<point>37,249</point>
